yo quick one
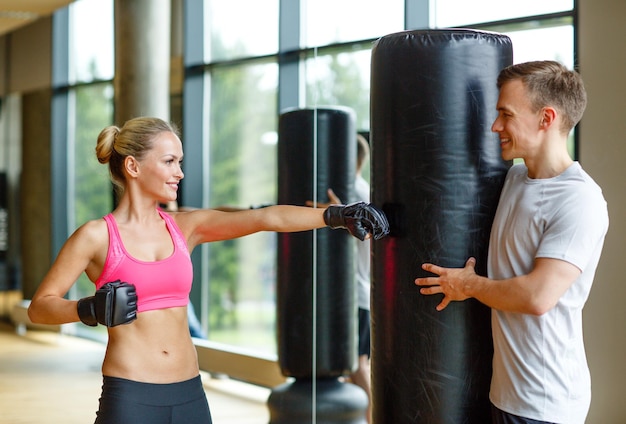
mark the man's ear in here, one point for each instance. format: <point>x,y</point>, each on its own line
<point>131,165</point>
<point>548,116</point>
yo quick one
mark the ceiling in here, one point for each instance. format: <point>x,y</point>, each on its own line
<point>17,13</point>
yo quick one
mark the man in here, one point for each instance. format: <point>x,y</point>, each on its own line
<point>544,248</point>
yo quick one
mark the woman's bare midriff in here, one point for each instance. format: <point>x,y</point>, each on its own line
<point>155,348</point>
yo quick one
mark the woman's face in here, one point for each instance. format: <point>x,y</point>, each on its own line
<point>160,170</point>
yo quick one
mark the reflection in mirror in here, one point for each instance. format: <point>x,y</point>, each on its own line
<point>242,171</point>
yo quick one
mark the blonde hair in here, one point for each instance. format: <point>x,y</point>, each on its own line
<point>135,138</point>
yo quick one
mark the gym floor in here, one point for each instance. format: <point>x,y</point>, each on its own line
<point>55,378</point>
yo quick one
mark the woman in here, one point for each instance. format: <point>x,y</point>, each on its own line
<point>138,258</point>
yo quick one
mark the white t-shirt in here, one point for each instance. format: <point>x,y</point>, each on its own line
<point>539,367</point>
<point>362,190</point>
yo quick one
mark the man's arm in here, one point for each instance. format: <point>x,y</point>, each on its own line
<point>534,293</point>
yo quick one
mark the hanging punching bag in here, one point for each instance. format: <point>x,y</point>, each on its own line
<point>437,171</point>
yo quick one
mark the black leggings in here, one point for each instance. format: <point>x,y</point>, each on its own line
<point>131,402</point>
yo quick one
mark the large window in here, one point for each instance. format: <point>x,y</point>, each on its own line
<point>83,70</point>
<point>90,197</point>
<point>91,41</point>
<point>333,42</point>
<point>243,173</point>
<point>333,46</point>
<point>324,61</point>
<point>241,28</point>
<point>90,110</point>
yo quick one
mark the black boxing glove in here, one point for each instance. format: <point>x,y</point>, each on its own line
<point>360,219</point>
<point>114,303</point>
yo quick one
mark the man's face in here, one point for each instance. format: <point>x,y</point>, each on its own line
<point>517,124</point>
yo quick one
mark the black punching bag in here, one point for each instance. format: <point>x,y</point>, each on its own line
<point>302,173</point>
<point>437,171</point>
<point>316,298</point>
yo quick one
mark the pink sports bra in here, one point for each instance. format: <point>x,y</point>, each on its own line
<point>160,284</point>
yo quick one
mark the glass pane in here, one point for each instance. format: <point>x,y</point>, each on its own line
<point>241,28</point>
<point>531,45</point>
<point>331,21</point>
<point>448,13</point>
<point>243,172</point>
<point>340,78</point>
<point>91,40</point>
<point>92,194</point>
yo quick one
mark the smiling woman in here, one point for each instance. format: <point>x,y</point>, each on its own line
<point>139,259</point>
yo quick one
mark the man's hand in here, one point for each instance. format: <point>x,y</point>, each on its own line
<point>452,282</point>
<point>333,199</point>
